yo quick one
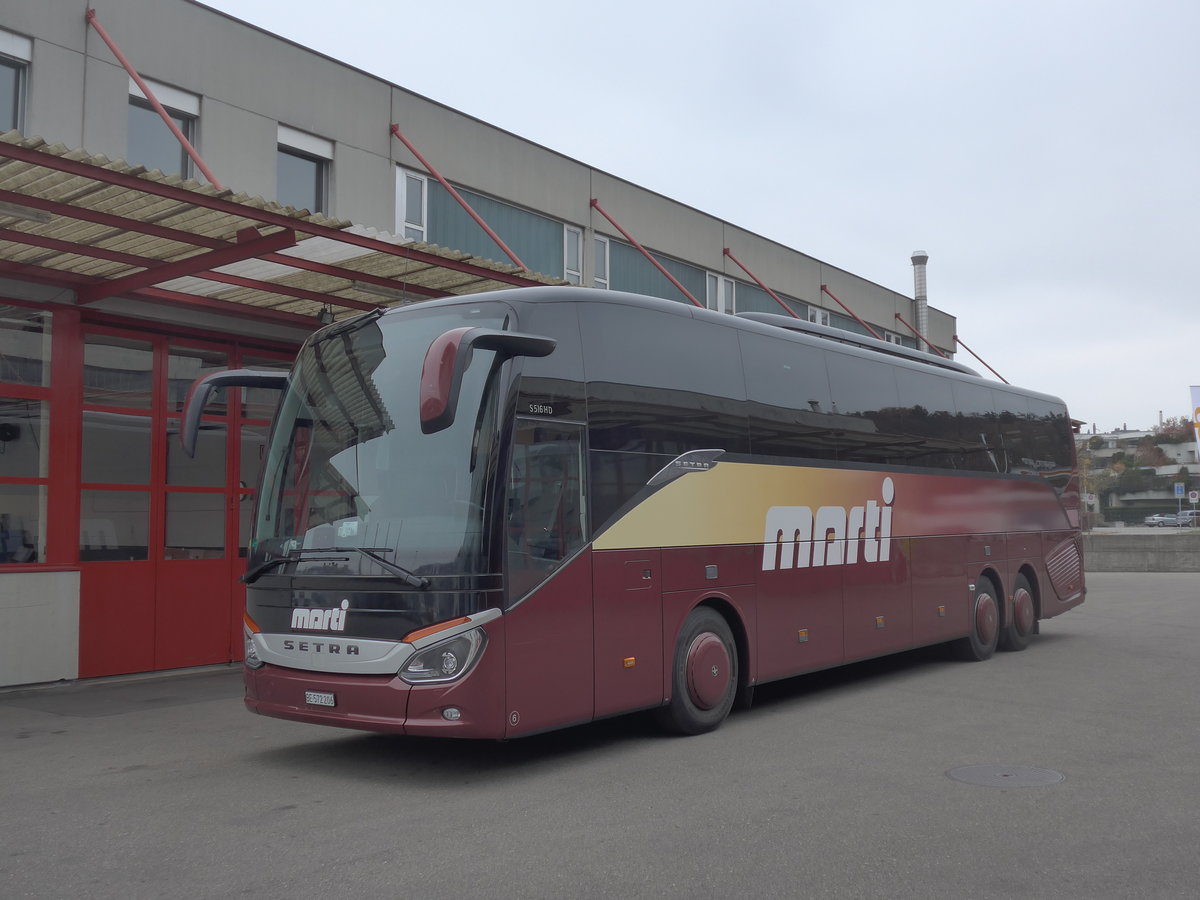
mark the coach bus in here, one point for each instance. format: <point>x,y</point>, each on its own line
<point>497,515</point>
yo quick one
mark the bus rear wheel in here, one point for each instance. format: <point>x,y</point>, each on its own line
<point>980,644</point>
<point>1018,630</point>
<point>704,674</point>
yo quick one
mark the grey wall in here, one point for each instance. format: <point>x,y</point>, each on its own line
<point>250,81</point>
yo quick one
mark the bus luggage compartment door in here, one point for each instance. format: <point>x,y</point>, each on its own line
<point>628,630</point>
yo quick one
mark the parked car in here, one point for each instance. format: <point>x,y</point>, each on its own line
<point>1159,519</point>
<point>1189,518</point>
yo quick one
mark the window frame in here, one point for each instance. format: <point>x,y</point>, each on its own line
<point>16,53</point>
<point>182,106</point>
<point>403,225</point>
<point>301,145</point>
<point>720,293</point>
<point>600,273</point>
<point>572,234</point>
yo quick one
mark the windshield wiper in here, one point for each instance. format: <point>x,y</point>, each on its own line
<point>301,555</point>
<point>412,579</point>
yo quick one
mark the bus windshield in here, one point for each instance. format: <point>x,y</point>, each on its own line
<point>349,467</point>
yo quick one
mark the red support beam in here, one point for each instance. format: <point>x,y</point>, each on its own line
<point>158,107</point>
<point>959,340</point>
<point>58,278</point>
<point>458,197</point>
<point>825,289</point>
<point>774,296</point>
<point>251,214</point>
<point>921,337</point>
<point>121,224</point>
<point>646,253</point>
<point>246,248</point>
<point>265,313</point>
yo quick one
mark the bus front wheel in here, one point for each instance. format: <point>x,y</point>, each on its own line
<point>980,644</point>
<point>704,674</point>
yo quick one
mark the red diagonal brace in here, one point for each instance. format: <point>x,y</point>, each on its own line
<point>774,296</point>
<point>921,337</point>
<point>458,197</point>
<point>646,253</point>
<point>959,340</point>
<point>158,107</point>
<point>875,334</point>
<point>246,248</point>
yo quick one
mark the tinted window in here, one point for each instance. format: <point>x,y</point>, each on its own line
<point>553,385</point>
<point>791,409</point>
<point>660,382</point>
<point>977,427</point>
<point>614,479</point>
<point>927,404</point>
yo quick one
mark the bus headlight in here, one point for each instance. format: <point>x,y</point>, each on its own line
<point>251,657</point>
<point>446,660</point>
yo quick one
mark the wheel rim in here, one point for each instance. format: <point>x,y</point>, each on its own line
<point>1023,611</point>
<point>707,670</point>
<point>986,620</point>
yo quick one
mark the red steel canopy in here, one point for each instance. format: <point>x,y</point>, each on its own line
<point>104,228</point>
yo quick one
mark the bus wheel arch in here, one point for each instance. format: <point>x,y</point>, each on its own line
<point>705,672</point>
<point>1021,616</point>
<point>985,617</point>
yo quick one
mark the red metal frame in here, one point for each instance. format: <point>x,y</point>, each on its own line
<point>198,240</point>
<point>921,337</point>
<point>959,341</point>
<point>158,107</point>
<point>875,334</point>
<point>245,249</point>
<point>232,207</point>
<point>646,253</point>
<point>395,129</point>
<point>774,296</point>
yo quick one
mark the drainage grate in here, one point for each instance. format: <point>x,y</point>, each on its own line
<point>1006,776</point>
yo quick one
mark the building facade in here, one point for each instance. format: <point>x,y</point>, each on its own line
<point>129,267</point>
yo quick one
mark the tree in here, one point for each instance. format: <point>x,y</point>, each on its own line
<point>1174,430</point>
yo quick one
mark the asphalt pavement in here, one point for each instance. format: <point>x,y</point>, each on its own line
<point>1069,770</point>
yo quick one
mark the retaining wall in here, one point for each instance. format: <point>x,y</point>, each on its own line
<point>1168,551</point>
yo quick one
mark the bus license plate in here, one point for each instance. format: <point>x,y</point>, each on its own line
<point>320,698</point>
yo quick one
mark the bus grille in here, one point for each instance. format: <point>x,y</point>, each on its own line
<point>1064,565</point>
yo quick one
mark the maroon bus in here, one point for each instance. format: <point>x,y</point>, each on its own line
<point>496,515</point>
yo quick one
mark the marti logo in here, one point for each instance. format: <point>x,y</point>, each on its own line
<point>321,619</point>
<point>797,538</point>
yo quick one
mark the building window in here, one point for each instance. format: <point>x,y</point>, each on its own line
<point>820,316</point>
<point>24,433</point>
<point>150,142</point>
<point>412,204</point>
<point>536,239</point>
<point>15,54</point>
<point>600,264</point>
<point>720,293</point>
<point>892,338</point>
<point>302,170</point>
<point>572,254</point>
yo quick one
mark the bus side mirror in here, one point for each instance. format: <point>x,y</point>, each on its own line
<point>448,357</point>
<point>202,388</point>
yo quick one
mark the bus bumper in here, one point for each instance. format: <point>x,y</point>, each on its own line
<point>472,707</point>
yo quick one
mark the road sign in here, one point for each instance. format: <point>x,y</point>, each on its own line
<point>1178,489</point>
<point>1194,496</point>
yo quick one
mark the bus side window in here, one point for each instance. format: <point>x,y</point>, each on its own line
<point>545,509</point>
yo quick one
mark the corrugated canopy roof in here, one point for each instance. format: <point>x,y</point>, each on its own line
<point>105,228</point>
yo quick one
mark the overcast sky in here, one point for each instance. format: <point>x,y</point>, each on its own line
<point>1045,153</point>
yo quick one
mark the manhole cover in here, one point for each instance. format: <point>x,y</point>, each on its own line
<point>1006,776</point>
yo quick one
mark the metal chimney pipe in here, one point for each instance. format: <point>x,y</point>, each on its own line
<point>920,293</point>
